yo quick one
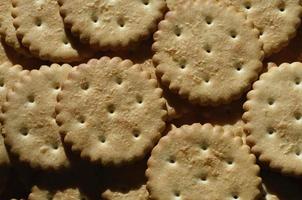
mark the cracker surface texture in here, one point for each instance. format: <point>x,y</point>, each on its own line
<point>202,162</point>
<point>277,20</point>
<point>30,127</point>
<point>63,194</point>
<point>209,55</point>
<point>111,111</point>
<point>273,114</point>
<point>7,29</point>
<point>112,24</point>
<point>41,29</point>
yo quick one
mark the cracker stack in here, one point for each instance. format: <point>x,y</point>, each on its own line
<point>150,100</point>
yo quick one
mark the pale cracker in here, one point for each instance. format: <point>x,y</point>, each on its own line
<point>112,24</point>
<point>202,162</point>
<point>273,118</point>
<point>277,20</point>
<point>7,29</point>
<point>41,29</point>
<point>209,55</point>
<point>111,111</point>
<point>29,118</point>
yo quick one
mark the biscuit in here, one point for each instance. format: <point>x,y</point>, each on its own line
<point>112,24</point>
<point>273,118</point>
<point>276,20</point>
<point>202,162</point>
<point>111,111</point>
<point>138,193</point>
<point>3,55</point>
<point>30,127</point>
<point>41,29</point>
<point>4,165</point>
<point>7,29</point>
<point>209,55</point>
<point>44,194</point>
<point>127,183</point>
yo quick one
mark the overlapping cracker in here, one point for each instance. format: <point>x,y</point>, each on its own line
<point>111,111</point>
<point>30,127</point>
<point>277,20</point>
<point>112,24</point>
<point>209,55</point>
<point>273,117</point>
<point>41,29</point>
<point>7,29</point>
<point>202,162</point>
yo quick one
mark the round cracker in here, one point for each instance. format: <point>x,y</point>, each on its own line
<point>209,55</point>
<point>111,111</point>
<point>137,193</point>
<point>277,20</point>
<point>202,162</point>
<point>41,29</point>
<point>38,193</point>
<point>112,24</point>
<point>7,29</point>
<point>9,74</point>
<point>126,183</point>
<point>273,118</point>
<point>29,118</point>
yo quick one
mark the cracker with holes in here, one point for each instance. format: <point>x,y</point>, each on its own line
<point>41,29</point>
<point>273,118</point>
<point>30,127</point>
<point>7,29</point>
<point>111,111</point>
<point>277,20</point>
<point>192,162</point>
<point>209,55</point>
<point>112,24</point>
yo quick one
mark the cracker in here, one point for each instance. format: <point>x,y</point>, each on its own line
<point>4,165</point>
<point>273,115</point>
<point>277,20</point>
<point>3,55</point>
<point>7,29</point>
<point>29,118</point>
<point>111,111</point>
<point>127,183</point>
<point>138,193</point>
<point>112,24</point>
<point>174,4</point>
<point>202,162</point>
<point>41,29</point>
<point>43,194</point>
<point>209,55</point>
